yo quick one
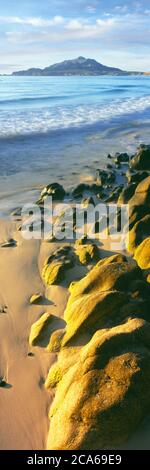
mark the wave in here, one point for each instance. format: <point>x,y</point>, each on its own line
<point>45,120</point>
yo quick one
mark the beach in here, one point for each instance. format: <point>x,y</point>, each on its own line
<point>45,339</point>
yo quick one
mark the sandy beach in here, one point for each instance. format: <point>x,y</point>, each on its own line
<point>28,349</point>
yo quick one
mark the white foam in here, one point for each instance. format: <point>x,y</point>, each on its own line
<point>43,120</point>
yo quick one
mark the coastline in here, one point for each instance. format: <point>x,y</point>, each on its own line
<point>28,352</point>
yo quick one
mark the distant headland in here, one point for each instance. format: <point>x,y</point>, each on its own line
<point>80,66</point>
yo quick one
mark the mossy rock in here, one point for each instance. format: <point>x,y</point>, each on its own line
<point>142,254</point>
<point>40,329</point>
<point>143,186</point>
<point>57,264</point>
<point>91,311</point>
<point>54,376</point>
<point>55,341</point>
<point>138,233</point>
<point>136,213</point>
<point>100,397</point>
<point>114,273</point>
<point>87,253</point>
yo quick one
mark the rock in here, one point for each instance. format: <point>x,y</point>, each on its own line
<point>8,243</point>
<point>100,397</point>
<point>104,177</point>
<point>141,160</point>
<point>109,166</point>
<point>139,289</point>
<point>143,186</point>
<point>136,177</point>
<point>114,195</point>
<point>57,264</point>
<point>121,158</point>
<point>113,273</point>
<point>40,329</point>
<point>54,376</point>
<point>80,189</point>
<point>136,213</point>
<point>87,252</point>
<point>55,341</point>
<point>142,254</point>
<point>95,300</point>
<point>87,201</point>
<point>89,312</point>
<point>138,233</point>
<point>139,204</point>
<point>55,190</point>
<point>36,298</point>
<point>127,193</point>
<point>148,278</point>
<point>3,382</point>
<point>3,308</point>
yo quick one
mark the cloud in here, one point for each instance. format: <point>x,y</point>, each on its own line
<point>74,25</point>
<point>35,21</point>
<point>91,9</point>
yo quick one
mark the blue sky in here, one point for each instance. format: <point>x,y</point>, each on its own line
<point>41,32</point>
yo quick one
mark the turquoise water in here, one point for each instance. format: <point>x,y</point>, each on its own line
<point>41,104</point>
<point>60,127</point>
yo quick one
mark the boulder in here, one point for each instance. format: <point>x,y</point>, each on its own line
<point>40,329</point>
<point>121,158</point>
<point>114,273</point>
<point>138,233</point>
<point>100,397</point>
<point>105,177</point>
<point>96,299</point>
<point>86,252</point>
<point>127,193</point>
<point>55,190</point>
<point>55,341</point>
<point>141,160</point>
<point>55,267</point>
<point>136,177</point>
<point>80,189</point>
<point>142,254</point>
<point>143,186</point>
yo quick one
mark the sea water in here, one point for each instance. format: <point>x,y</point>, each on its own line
<point>61,128</point>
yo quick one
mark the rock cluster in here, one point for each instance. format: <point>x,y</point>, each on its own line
<point>102,373</point>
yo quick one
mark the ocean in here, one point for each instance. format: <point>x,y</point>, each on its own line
<point>62,128</point>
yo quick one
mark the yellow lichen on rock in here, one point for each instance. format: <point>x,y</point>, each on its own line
<point>98,400</point>
<point>142,254</point>
<point>55,341</point>
<point>138,233</point>
<point>54,376</point>
<point>86,252</point>
<point>39,329</point>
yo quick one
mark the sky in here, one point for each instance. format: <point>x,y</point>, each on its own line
<point>38,33</point>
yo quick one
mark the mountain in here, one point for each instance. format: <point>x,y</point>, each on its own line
<point>79,66</point>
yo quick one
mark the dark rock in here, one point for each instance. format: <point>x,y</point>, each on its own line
<point>127,193</point>
<point>80,189</point>
<point>55,190</point>
<point>136,177</point>
<point>141,160</point>
<point>121,158</point>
